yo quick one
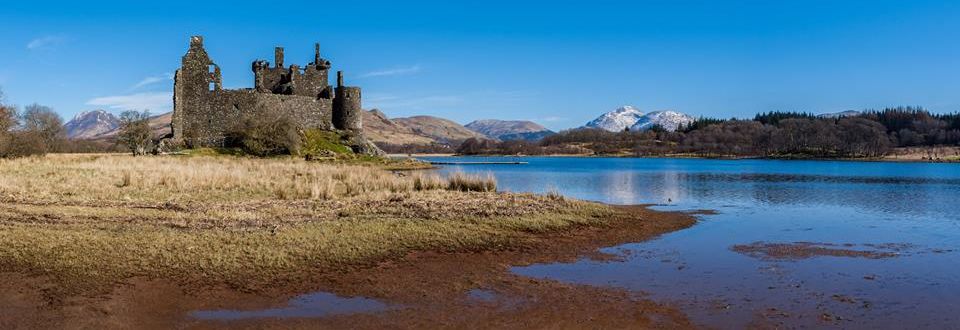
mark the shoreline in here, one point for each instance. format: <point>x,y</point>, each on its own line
<point>877,160</point>
<point>432,286</point>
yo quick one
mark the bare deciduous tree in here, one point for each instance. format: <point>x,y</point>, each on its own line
<point>43,123</point>
<point>135,132</point>
<point>8,121</point>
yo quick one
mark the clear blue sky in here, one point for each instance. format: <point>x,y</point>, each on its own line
<point>559,63</point>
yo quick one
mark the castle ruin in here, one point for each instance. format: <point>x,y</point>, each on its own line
<point>203,111</point>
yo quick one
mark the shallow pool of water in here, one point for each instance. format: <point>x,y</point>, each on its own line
<point>318,304</point>
<point>876,244</point>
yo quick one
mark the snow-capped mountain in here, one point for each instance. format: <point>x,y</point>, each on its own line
<point>616,120</point>
<point>669,120</point>
<point>842,114</point>
<point>90,124</point>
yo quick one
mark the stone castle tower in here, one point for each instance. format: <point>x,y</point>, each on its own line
<point>203,111</point>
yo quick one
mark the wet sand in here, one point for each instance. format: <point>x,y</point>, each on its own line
<point>421,290</point>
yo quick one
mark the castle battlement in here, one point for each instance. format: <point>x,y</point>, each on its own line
<point>203,110</point>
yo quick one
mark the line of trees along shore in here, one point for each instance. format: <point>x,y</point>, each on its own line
<point>872,133</point>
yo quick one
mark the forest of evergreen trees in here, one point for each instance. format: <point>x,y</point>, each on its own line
<point>872,133</point>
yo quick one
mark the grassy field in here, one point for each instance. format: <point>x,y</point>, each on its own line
<point>88,221</point>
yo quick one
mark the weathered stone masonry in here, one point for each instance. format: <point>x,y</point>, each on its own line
<point>203,111</point>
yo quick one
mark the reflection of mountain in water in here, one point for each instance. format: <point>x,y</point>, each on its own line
<point>629,187</point>
<point>618,186</point>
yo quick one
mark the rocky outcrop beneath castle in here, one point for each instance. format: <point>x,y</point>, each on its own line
<point>361,145</point>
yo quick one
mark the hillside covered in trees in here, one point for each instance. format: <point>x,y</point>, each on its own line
<point>869,134</point>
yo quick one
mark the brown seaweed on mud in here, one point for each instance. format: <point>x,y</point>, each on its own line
<point>806,250</point>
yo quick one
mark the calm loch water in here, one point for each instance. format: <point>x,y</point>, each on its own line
<point>795,243</point>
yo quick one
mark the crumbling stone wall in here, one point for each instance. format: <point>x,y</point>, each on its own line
<point>204,111</point>
<point>308,81</point>
<point>190,89</point>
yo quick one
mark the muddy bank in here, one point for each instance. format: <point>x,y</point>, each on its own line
<point>806,250</point>
<point>424,289</point>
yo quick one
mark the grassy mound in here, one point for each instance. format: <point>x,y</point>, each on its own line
<point>91,220</point>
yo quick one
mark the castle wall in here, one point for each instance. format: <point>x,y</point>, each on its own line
<point>310,112</point>
<point>271,80</point>
<point>312,82</point>
<point>226,108</point>
<point>278,79</point>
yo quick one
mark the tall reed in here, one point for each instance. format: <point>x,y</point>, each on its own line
<point>460,181</point>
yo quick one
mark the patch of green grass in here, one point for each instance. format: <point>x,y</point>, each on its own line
<point>316,142</point>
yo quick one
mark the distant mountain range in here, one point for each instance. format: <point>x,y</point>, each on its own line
<point>416,130</point>
<point>100,124</point>
<point>441,130</point>
<point>380,129</point>
<point>509,130</point>
<point>423,130</point>
<point>427,130</point>
<point>628,117</point>
<point>90,124</point>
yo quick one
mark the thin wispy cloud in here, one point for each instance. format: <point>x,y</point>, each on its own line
<point>153,101</point>
<point>152,80</point>
<point>412,103</point>
<point>393,72</point>
<point>45,42</point>
<point>551,119</point>
<point>451,103</point>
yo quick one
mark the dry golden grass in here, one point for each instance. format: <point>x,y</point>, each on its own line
<point>88,220</point>
<point>85,178</point>
<point>472,182</point>
<point>429,182</point>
